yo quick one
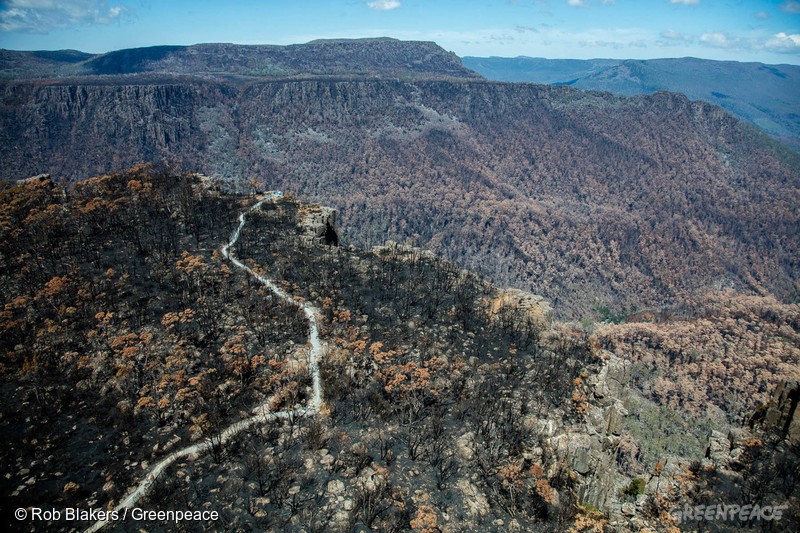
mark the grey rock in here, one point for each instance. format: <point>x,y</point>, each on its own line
<point>719,448</point>
<point>782,413</point>
<point>628,509</point>
<point>319,225</point>
<point>335,487</point>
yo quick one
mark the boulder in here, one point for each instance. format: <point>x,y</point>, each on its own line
<point>464,445</point>
<point>473,499</point>
<point>628,509</point>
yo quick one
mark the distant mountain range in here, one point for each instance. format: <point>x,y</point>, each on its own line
<point>765,95</point>
<point>382,57</point>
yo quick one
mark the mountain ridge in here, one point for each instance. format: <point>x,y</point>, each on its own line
<point>378,57</point>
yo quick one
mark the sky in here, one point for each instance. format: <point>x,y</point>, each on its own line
<point>743,30</point>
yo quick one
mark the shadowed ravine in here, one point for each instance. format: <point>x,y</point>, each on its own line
<point>262,413</point>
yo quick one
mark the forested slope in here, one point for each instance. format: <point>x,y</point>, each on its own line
<point>593,200</point>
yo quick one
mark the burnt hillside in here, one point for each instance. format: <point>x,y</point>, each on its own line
<point>128,335</point>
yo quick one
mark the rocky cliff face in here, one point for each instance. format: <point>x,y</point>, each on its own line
<point>782,415</point>
<point>592,449</point>
<point>741,465</point>
<point>319,225</point>
<point>765,95</point>
<point>50,126</point>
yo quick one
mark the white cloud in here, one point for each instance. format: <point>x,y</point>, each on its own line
<point>673,35</point>
<point>780,42</point>
<point>41,16</point>
<point>762,15</point>
<point>684,2</point>
<point>791,6</point>
<point>720,39</point>
<point>716,38</point>
<point>384,5</point>
<point>784,43</point>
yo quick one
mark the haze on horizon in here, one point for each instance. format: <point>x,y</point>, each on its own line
<point>748,30</point>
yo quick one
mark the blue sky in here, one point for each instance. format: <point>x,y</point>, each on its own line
<point>766,31</point>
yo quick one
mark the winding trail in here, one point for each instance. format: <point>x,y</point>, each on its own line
<point>263,414</point>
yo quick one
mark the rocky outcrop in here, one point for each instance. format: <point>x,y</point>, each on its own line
<point>521,307</point>
<point>719,448</point>
<point>591,449</point>
<point>44,178</point>
<point>781,414</point>
<point>319,225</point>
